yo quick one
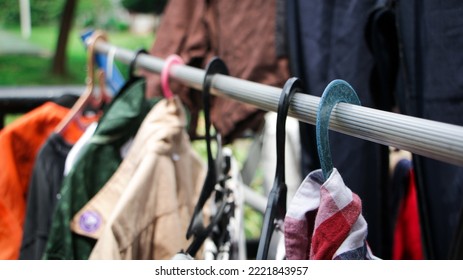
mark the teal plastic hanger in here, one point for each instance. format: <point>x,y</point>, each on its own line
<point>336,91</point>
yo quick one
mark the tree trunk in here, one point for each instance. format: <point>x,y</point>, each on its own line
<point>59,59</point>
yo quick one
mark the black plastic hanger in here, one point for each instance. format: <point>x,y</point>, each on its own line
<point>276,204</point>
<point>216,169</point>
<point>133,78</point>
<point>132,75</point>
<point>336,91</point>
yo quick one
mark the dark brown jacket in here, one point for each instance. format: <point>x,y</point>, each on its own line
<point>242,33</point>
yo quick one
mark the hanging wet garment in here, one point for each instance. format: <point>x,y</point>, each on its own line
<point>199,30</point>
<point>324,221</point>
<point>326,41</point>
<point>407,243</point>
<point>45,184</point>
<point>144,209</point>
<point>20,142</point>
<point>96,164</point>
<point>430,86</point>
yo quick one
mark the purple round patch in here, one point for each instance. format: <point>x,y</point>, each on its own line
<point>90,221</point>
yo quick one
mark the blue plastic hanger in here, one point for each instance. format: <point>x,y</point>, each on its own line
<point>276,204</point>
<point>116,80</point>
<point>131,72</point>
<point>336,91</point>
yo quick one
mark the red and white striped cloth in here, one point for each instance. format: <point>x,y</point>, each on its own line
<point>324,221</point>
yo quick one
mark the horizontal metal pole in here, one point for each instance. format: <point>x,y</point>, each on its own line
<point>431,139</point>
<point>39,92</point>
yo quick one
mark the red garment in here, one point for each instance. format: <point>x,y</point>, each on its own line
<point>19,144</point>
<point>324,221</point>
<point>407,234</point>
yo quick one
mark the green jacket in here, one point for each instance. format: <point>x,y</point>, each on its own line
<point>97,162</point>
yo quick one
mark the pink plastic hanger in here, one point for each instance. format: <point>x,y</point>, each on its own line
<point>171,60</point>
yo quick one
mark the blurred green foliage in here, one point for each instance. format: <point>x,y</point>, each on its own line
<point>34,70</point>
<point>98,14</point>
<point>43,12</point>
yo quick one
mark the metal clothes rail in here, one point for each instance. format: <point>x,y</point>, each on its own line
<point>431,139</point>
<point>22,99</point>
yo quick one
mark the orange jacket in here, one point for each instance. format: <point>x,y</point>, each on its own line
<point>19,144</point>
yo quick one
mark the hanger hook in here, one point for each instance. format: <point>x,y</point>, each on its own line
<point>276,204</point>
<point>133,62</point>
<point>291,86</point>
<point>215,66</point>
<point>98,34</point>
<point>336,91</point>
<point>170,60</point>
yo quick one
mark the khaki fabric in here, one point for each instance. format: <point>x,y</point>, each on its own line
<point>145,208</point>
<point>97,162</point>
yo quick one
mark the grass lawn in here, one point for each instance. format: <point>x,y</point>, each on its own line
<point>35,70</point>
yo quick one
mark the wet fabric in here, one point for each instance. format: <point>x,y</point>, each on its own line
<point>407,243</point>
<point>199,30</point>
<point>431,87</point>
<point>145,208</point>
<point>77,148</point>
<point>20,142</point>
<point>99,159</point>
<point>324,221</point>
<point>326,41</point>
<point>45,185</point>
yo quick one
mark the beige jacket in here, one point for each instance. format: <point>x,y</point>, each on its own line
<point>144,209</point>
